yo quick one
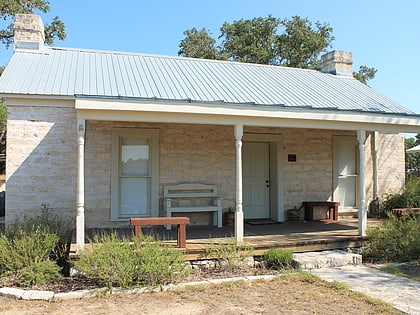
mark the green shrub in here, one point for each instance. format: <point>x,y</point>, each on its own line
<point>43,271</point>
<point>46,219</point>
<point>396,239</point>
<point>409,197</point>
<point>111,260</point>
<point>25,256</point>
<point>159,263</point>
<point>279,258</point>
<point>116,262</point>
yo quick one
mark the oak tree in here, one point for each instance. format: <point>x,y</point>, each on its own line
<point>295,42</point>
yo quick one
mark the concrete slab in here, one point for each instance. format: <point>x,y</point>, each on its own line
<point>326,259</point>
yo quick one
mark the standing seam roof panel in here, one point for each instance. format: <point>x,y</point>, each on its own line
<point>60,71</point>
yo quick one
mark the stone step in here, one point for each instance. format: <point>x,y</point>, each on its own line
<point>326,259</point>
<point>348,215</point>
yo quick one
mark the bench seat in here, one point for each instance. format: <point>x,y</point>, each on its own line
<point>193,193</point>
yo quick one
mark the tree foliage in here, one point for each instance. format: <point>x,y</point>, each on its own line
<point>198,44</point>
<point>295,42</point>
<point>365,74</point>
<point>9,8</point>
<point>252,41</point>
<point>301,44</point>
<point>257,41</point>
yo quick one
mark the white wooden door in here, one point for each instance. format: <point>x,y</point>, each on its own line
<point>345,171</point>
<point>255,172</point>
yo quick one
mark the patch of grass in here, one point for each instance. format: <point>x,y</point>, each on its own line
<point>390,268</point>
<point>408,270</point>
<point>307,277</point>
<point>279,258</point>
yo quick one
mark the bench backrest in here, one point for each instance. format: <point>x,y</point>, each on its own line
<point>190,191</point>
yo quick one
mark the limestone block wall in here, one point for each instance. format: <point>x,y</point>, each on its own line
<point>391,163</point>
<point>188,153</point>
<point>41,160</point>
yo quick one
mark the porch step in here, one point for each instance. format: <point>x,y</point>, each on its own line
<point>348,215</point>
<point>326,259</point>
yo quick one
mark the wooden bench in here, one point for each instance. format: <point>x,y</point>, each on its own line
<point>405,211</point>
<point>331,205</point>
<point>193,198</point>
<point>180,222</point>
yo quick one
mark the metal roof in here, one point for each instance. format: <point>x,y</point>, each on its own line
<point>69,72</point>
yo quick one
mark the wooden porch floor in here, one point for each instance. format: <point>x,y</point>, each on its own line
<point>296,236</point>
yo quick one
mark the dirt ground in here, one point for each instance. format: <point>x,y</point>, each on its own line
<point>291,294</point>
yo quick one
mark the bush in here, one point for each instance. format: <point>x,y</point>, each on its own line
<point>279,258</point>
<point>43,271</point>
<point>46,219</point>
<point>116,262</point>
<point>111,260</point>
<point>409,197</point>
<point>25,256</point>
<point>396,239</point>
<point>159,263</point>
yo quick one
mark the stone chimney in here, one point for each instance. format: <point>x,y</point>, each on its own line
<point>28,31</point>
<point>337,62</point>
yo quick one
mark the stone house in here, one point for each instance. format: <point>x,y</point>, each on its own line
<point>96,135</point>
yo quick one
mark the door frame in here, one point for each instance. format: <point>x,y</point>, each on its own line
<point>262,150</point>
<point>276,157</point>
<point>352,139</point>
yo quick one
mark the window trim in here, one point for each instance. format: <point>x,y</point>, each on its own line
<point>152,135</point>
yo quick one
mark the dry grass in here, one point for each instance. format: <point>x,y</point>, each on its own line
<point>289,294</point>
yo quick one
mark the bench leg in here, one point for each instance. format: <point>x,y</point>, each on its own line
<point>182,236</point>
<point>137,230</point>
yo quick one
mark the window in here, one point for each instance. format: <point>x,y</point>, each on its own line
<point>134,172</point>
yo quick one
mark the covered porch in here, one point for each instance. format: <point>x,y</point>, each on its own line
<point>301,156</point>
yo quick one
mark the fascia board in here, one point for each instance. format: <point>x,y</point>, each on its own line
<point>249,115</point>
<point>39,101</point>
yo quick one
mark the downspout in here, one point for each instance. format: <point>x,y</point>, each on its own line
<point>239,215</point>
<point>80,190</point>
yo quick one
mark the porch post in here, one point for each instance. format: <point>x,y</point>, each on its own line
<point>375,165</point>
<point>80,190</point>
<point>361,138</point>
<point>239,215</point>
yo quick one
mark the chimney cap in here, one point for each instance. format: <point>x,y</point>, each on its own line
<point>338,62</point>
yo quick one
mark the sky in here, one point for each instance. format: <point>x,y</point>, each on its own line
<point>383,34</point>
